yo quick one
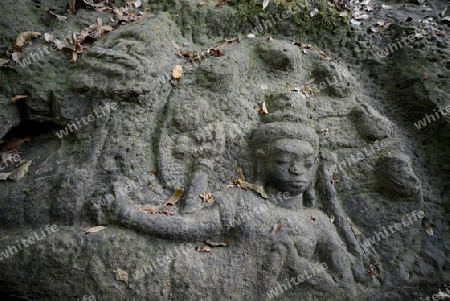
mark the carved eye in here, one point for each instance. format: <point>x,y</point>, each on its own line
<point>308,164</point>
<point>281,162</point>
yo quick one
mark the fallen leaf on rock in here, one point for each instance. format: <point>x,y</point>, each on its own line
<point>343,14</point>
<point>246,185</point>
<point>19,172</point>
<point>175,197</point>
<point>226,42</point>
<point>355,231</point>
<point>18,97</point>
<point>149,210</point>
<point>264,109</point>
<point>3,62</point>
<point>430,231</point>
<point>216,244</point>
<point>372,268</point>
<point>441,34</point>
<point>121,275</point>
<point>23,37</point>
<point>16,55</point>
<point>137,3</point>
<point>175,45</point>
<point>177,71</point>
<point>12,144</point>
<point>442,13</point>
<point>203,249</point>
<point>310,81</point>
<point>215,52</point>
<point>154,172</point>
<point>425,76</point>
<point>206,197</point>
<point>265,3</point>
<point>384,6</point>
<point>276,227</point>
<point>93,229</point>
<point>72,7</point>
<point>168,210</point>
<point>60,18</point>
<point>264,87</point>
<point>240,173</point>
<point>332,218</point>
<point>48,37</point>
<point>251,35</point>
<point>334,182</point>
<point>354,22</point>
<point>362,17</point>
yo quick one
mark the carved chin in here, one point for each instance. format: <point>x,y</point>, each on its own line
<point>293,188</point>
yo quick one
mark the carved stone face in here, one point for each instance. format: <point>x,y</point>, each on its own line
<point>290,165</point>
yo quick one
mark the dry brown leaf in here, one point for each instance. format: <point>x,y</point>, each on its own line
<point>206,197</point>
<point>175,45</point>
<point>246,185</point>
<point>177,71</point>
<point>430,231</point>
<point>60,18</point>
<point>74,57</point>
<point>310,81</point>
<point>441,34</point>
<point>175,197</point>
<point>23,37</point>
<point>94,229</point>
<point>332,218</point>
<point>216,244</point>
<point>425,76</point>
<point>48,37</point>
<point>276,227</point>
<point>16,55</point>
<point>149,210</point>
<point>18,97</point>
<point>19,172</point>
<point>203,249</point>
<point>121,275</point>
<point>3,62</point>
<point>355,231</point>
<point>240,173</point>
<point>264,109</point>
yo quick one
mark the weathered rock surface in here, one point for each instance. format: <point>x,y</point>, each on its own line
<point>366,168</point>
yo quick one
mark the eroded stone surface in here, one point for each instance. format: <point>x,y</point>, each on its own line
<point>371,168</point>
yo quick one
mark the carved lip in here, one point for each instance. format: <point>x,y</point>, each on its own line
<point>296,184</point>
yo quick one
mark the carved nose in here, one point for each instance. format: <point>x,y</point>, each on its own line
<point>296,168</point>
